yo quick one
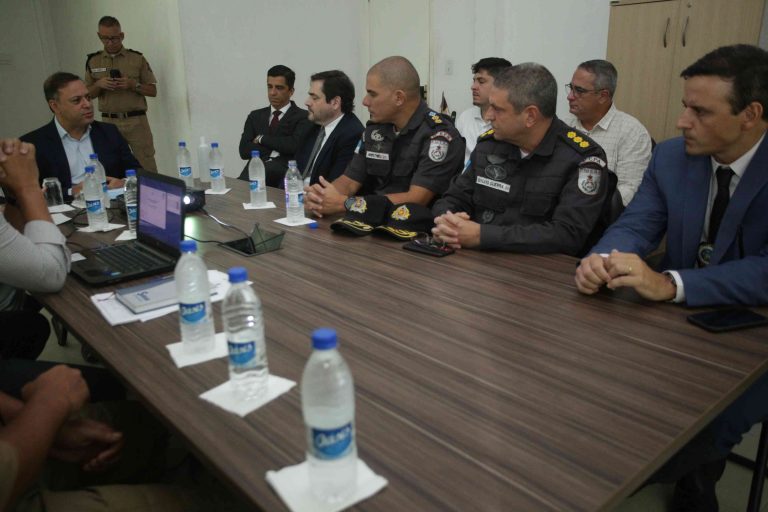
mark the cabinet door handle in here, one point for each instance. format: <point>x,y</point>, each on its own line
<point>685,29</point>
<point>666,31</point>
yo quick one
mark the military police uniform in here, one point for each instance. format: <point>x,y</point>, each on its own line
<point>126,109</point>
<point>550,201</point>
<point>428,152</point>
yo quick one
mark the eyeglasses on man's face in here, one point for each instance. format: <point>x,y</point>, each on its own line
<point>110,39</point>
<point>579,91</point>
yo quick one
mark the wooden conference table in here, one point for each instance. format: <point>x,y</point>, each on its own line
<point>484,380</point>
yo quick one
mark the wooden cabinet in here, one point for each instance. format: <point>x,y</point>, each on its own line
<point>651,42</point>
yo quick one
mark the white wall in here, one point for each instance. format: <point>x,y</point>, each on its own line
<point>464,31</point>
<point>25,60</point>
<point>226,68</point>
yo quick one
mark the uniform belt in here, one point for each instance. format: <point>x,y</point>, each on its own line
<point>123,115</point>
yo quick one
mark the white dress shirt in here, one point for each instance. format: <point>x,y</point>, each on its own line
<point>627,145</point>
<point>471,125</point>
<point>78,152</point>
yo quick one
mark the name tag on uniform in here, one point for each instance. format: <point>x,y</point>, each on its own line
<point>377,156</point>
<point>498,185</point>
<point>98,70</point>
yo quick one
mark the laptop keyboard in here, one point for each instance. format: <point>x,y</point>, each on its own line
<point>129,258</point>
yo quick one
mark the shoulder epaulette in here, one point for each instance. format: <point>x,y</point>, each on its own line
<point>485,135</point>
<point>434,119</point>
<point>134,51</point>
<point>88,59</point>
<point>578,140</point>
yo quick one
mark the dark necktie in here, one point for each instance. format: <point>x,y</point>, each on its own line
<point>315,151</point>
<point>724,175</point>
<point>275,120</point>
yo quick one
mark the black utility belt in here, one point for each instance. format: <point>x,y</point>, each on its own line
<point>123,115</point>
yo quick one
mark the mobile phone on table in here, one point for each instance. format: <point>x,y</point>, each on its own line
<point>428,247</point>
<point>114,73</point>
<point>728,319</point>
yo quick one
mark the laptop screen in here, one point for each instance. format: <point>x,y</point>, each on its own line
<point>161,216</point>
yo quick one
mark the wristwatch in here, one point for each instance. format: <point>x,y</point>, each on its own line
<point>349,202</point>
<point>138,87</point>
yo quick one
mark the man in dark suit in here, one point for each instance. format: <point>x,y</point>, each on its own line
<point>708,191</point>
<point>64,145</point>
<point>331,142</point>
<point>275,131</point>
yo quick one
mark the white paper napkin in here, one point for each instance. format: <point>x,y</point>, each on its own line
<point>76,256</point>
<point>183,358</point>
<point>284,221</point>
<point>268,204</point>
<point>110,227</point>
<point>218,193</point>
<point>292,485</point>
<point>60,208</point>
<point>79,203</point>
<point>224,396</point>
<point>59,218</point>
<point>125,235</point>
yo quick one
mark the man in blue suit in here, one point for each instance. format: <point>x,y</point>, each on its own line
<point>64,145</point>
<point>330,144</point>
<point>708,191</point>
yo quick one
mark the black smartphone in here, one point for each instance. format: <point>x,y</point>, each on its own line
<point>431,248</point>
<point>729,319</point>
<point>114,73</point>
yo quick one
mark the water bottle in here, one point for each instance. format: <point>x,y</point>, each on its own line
<point>203,150</point>
<point>257,176</point>
<point>328,407</point>
<point>192,289</point>
<point>94,199</point>
<point>184,163</point>
<point>101,174</point>
<point>244,325</point>
<point>131,199</point>
<point>216,165</point>
<point>294,193</point>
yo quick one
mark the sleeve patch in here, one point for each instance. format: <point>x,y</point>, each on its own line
<point>594,159</point>
<point>442,134</point>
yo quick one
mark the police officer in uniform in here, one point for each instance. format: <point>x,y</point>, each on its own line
<point>533,184</point>
<point>408,152</point>
<point>121,78</point>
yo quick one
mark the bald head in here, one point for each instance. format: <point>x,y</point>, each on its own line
<point>397,73</point>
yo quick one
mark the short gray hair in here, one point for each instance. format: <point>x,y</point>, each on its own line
<point>529,84</point>
<point>605,73</point>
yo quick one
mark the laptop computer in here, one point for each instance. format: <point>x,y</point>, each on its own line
<point>159,229</point>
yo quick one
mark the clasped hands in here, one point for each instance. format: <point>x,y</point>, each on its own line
<point>620,269</point>
<point>115,84</point>
<point>323,198</point>
<point>456,230</point>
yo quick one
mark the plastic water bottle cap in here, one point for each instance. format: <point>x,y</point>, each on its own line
<point>89,169</point>
<point>324,339</point>
<point>188,246</point>
<point>93,156</point>
<point>182,144</point>
<point>313,224</point>
<point>237,275</point>
<point>130,172</point>
<point>214,144</point>
<point>255,154</point>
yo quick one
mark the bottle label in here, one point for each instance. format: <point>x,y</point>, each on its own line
<point>241,354</point>
<point>185,172</point>
<point>132,212</point>
<point>292,199</point>
<point>215,173</point>
<point>93,206</point>
<point>329,444</point>
<point>255,185</point>
<point>192,313</point>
